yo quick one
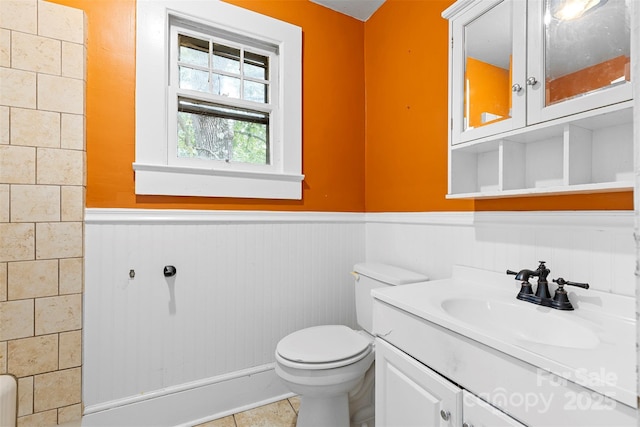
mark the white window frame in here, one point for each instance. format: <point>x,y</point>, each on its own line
<point>156,170</point>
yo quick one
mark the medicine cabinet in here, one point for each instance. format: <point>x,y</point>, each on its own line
<point>540,97</point>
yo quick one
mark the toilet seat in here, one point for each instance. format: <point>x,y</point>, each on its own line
<point>323,347</point>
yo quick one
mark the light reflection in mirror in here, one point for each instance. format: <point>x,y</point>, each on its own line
<point>587,53</point>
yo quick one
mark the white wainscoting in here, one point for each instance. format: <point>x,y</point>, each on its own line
<point>161,351</point>
<point>244,280</point>
<point>597,247</point>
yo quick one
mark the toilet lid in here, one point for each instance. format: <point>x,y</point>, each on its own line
<point>322,344</point>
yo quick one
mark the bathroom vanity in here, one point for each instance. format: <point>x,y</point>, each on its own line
<point>540,102</point>
<point>465,352</point>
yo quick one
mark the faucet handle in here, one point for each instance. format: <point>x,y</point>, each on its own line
<point>561,299</point>
<point>561,282</point>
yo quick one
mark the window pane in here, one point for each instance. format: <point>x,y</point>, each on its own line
<point>194,51</point>
<point>250,143</point>
<point>226,58</point>
<point>255,91</point>
<point>202,137</point>
<point>194,79</point>
<point>256,66</point>
<point>226,86</point>
<point>216,132</point>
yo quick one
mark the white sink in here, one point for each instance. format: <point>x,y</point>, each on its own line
<point>595,341</point>
<point>540,325</point>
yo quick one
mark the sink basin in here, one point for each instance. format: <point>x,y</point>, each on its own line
<point>531,324</point>
<point>593,346</point>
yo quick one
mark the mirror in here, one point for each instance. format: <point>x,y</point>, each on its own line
<point>487,80</point>
<point>587,46</point>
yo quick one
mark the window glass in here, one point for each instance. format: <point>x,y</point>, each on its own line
<point>256,66</point>
<point>226,58</point>
<point>217,132</point>
<point>220,129</point>
<point>226,86</point>
<point>193,79</point>
<point>193,51</point>
<point>256,92</point>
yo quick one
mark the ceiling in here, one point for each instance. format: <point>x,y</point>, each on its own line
<point>359,9</point>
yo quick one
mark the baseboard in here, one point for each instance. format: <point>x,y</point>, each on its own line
<point>193,403</point>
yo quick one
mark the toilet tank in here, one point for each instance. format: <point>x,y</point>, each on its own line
<point>369,276</point>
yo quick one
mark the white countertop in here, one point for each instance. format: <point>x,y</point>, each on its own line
<point>606,362</point>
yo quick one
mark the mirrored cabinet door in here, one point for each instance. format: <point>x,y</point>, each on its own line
<point>579,56</point>
<point>488,68</point>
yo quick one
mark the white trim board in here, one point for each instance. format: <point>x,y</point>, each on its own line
<point>192,403</point>
<point>608,219</point>
<point>172,216</point>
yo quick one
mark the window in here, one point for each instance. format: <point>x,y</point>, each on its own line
<point>233,122</point>
<point>226,97</point>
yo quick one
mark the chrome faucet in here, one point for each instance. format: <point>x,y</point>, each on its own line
<point>542,296</point>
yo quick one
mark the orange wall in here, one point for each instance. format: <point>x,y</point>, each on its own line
<point>333,109</point>
<point>406,120</point>
<point>402,54</point>
<point>406,126</point>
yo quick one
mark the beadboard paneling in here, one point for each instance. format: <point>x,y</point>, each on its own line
<point>246,279</point>
<point>587,246</point>
<point>239,288</point>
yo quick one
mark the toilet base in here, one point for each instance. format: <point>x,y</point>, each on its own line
<point>323,411</point>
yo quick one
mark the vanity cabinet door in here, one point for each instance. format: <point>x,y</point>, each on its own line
<point>410,394</point>
<point>478,413</point>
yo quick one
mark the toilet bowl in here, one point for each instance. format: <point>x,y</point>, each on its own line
<point>331,366</point>
<point>323,364</point>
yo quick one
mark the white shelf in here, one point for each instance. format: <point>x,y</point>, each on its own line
<point>586,153</point>
<point>572,189</point>
<point>610,115</point>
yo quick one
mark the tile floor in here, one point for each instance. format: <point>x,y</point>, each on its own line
<point>278,414</point>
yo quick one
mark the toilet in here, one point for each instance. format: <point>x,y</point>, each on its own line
<point>331,367</point>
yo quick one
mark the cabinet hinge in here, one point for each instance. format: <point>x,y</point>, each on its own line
<point>451,123</point>
<point>451,42</point>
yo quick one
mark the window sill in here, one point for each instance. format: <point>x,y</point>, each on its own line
<point>185,181</point>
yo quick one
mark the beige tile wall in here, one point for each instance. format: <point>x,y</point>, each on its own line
<point>42,187</point>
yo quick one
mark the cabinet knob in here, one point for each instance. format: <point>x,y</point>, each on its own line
<point>516,88</point>
<point>467,425</point>
<point>445,415</point>
<point>531,81</point>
